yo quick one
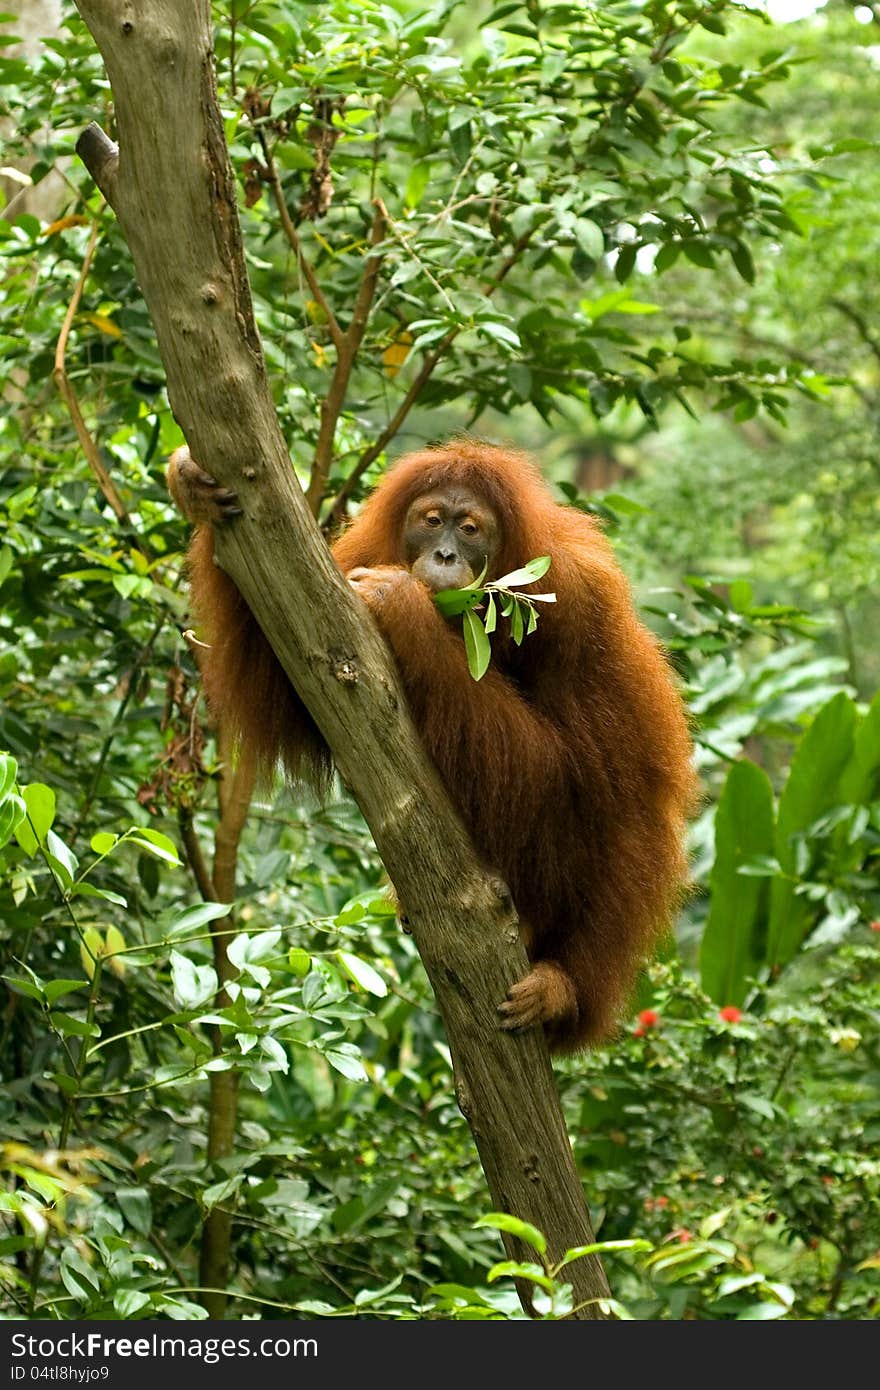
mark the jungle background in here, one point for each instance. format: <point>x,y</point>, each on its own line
<point>639,240</point>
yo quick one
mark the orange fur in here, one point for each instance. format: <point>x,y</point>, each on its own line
<point>569,761</point>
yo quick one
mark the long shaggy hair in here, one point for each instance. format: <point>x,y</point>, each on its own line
<point>569,762</point>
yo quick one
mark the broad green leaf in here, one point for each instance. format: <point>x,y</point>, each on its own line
<point>590,238</point>
<point>362,974</point>
<point>78,1278</point>
<point>732,945</point>
<point>88,890</point>
<point>154,842</point>
<point>25,987</point>
<point>501,1221</point>
<point>517,1269</point>
<point>8,774</point>
<point>245,950</point>
<point>350,1066</point>
<point>416,184</point>
<point>192,984</point>
<point>12,819</point>
<point>55,989</point>
<point>90,950</point>
<point>606,1247</point>
<point>114,942</point>
<point>129,1302</point>
<point>860,777</point>
<point>517,627</point>
<point>299,961</point>
<point>76,1027</point>
<point>191,918</point>
<point>136,1208</point>
<point>532,570</point>
<point>490,617</point>
<point>40,802</point>
<point>476,644</point>
<point>813,787</point>
<point>451,602</point>
<point>59,851</point>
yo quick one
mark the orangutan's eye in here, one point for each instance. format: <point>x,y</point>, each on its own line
<point>433,519</point>
<point>469,528</point>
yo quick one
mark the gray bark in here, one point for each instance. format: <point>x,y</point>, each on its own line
<point>171,188</point>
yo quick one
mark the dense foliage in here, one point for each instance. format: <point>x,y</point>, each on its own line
<point>641,234</point>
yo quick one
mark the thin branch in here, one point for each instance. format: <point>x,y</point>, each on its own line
<point>195,857</point>
<point>861,326</point>
<point>293,237</point>
<point>331,406</point>
<point>429,362</point>
<point>235,792</point>
<point>62,381</point>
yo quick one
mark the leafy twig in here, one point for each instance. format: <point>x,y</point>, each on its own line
<point>520,609</point>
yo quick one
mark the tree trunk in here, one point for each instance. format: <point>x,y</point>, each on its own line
<point>171,187</point>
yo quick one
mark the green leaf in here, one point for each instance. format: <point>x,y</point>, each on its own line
<point>60,853</point>
<point>12,819</point>
<point>501,1221</point>
<point>517,628</point>
<point>590,238</point>
<point>520,1269</point>
<point>192,984</point>
<point>476,644</point>
<point>88,890</point>
<point>859,779</point>
<point>90,949</point>
<point>80,1280</point>
<point>8,774</point>
<point>740,595</point>
<point>623,266</point>
<point>103,842</point>
<point>667,256</point>
<point>813,787</point>
<point>698,253</point>
<point>762,1312</point>
<point>55,989</point>
<point>742,259</point>
<point>532,570</point>
<point>732,945</point>
<point>416,184</point>
<point>299,961</point>
<point>191,918</point>
<point>129,1302</point>
<point>625,505</point>
<point>451,602</point>
<point>136,1208</point>
<point>154,842</point>
<point>40,802</point>
<point>606,1247</point>
<point>362,974</point>
<point>500,332</point>
<point>75,1027</point>
<point>348,1065</point>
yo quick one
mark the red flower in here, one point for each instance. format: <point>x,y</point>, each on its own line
<point>730,1013</point>
<point>638,1032</point>
<point>875,926</point>
<point>649,1018</point>
<point>682,1235</point>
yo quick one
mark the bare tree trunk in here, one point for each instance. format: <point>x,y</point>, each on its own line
<point>171,188</point>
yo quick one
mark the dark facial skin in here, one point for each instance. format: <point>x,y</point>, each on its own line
<point>449,536</point>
